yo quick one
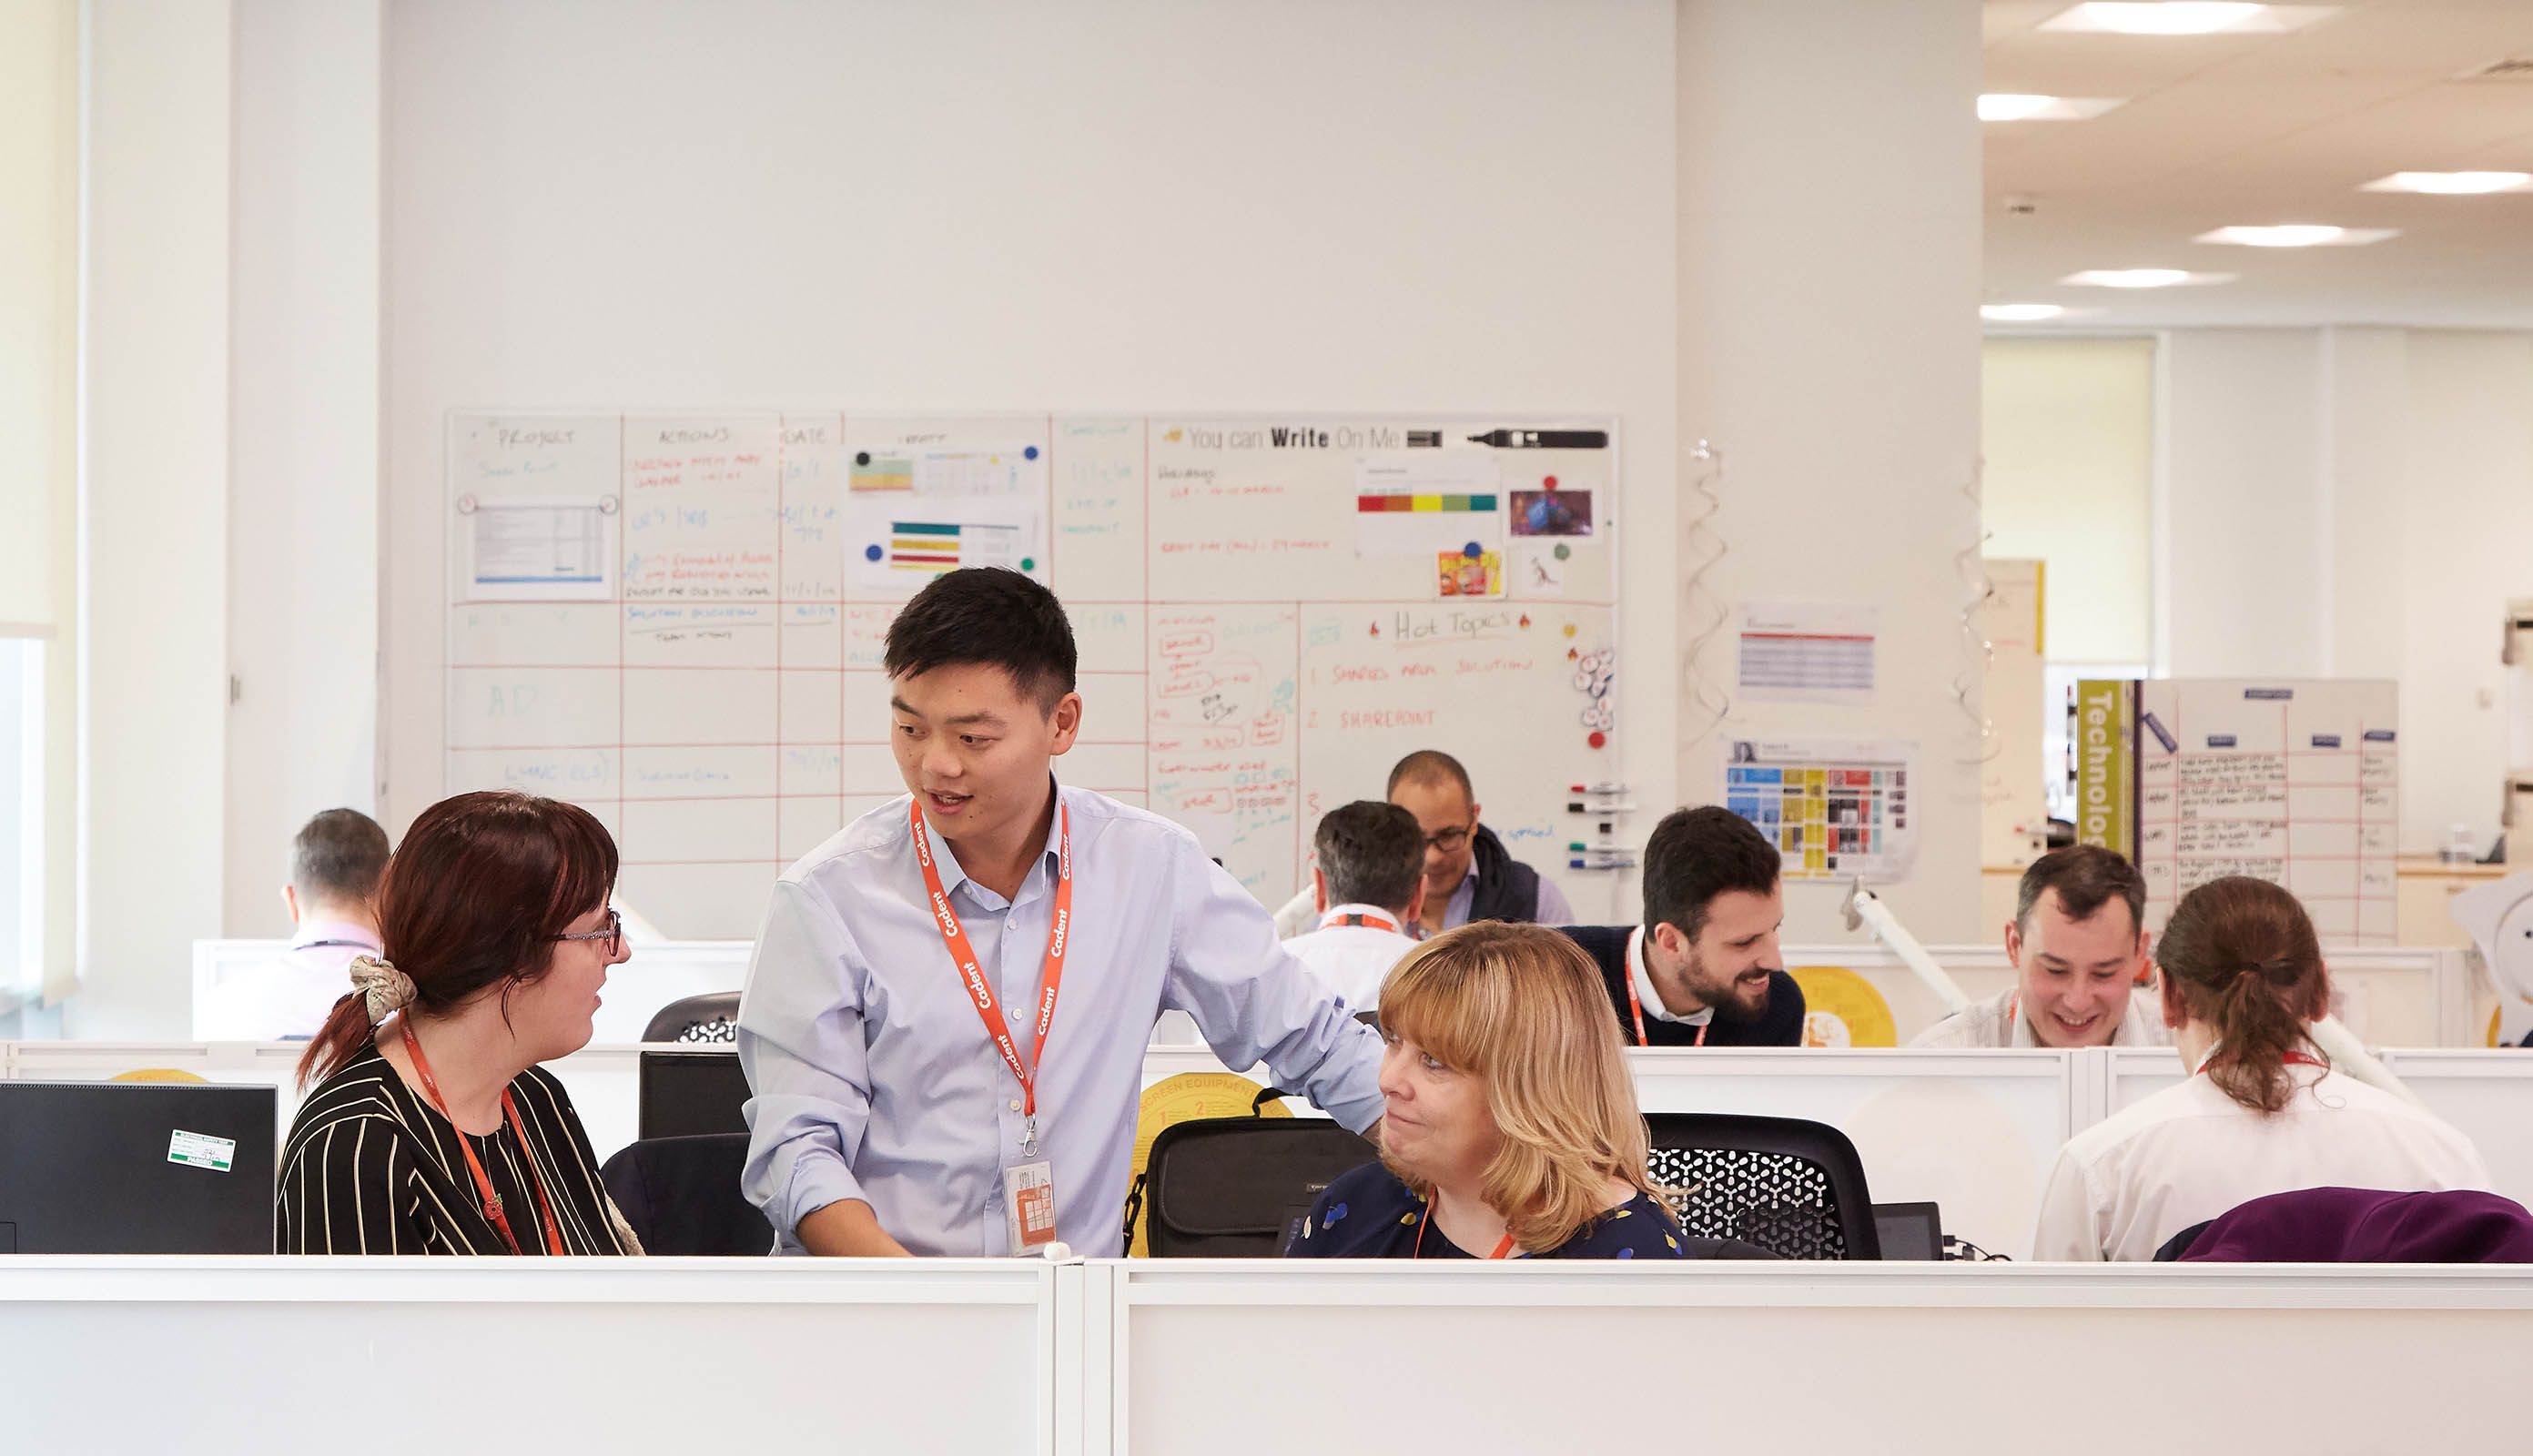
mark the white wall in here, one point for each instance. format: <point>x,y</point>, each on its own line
<point>1437,204</point>
<point>2358,502</point>
<point>1829,345</point>
<point>2067,431</point>
<point>154,529</point>
<point>2245,535</point>
<point>303,606</point>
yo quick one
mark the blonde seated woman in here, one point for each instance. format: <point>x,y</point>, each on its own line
<point>1511,1129</point>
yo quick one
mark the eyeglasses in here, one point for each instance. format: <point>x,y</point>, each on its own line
<point>1449,840</point>
<point>614,934</point>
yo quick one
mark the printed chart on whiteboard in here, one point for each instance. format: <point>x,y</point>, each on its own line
<point>2292,780</point>
<point>678,619</point>
<point>1836,808</point>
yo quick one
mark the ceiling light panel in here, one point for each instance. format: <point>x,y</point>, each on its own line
<point>2298,235</point>
<point>2142,278</point>
<point>1996,106</point>
<point>2185,17</point>
<point>2452,184</point>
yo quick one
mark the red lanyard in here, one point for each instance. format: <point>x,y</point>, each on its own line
<point>1504,1246</point>
<point>1636,1008</point>
<point>1376,922</point>
<point>981,990</point>
<point>484,1186</point>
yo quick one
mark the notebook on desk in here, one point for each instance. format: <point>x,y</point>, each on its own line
<point>135,1168</point>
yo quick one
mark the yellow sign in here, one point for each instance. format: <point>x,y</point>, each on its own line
<point>1842,1009</point>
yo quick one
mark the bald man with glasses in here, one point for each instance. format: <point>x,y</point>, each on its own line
<point>1469,875</point>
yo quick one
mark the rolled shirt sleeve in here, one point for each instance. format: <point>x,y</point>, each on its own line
<point>801,1045</point>
<point>1253,1002</point>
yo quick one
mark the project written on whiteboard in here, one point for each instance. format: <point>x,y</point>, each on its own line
<point>1271,612</point>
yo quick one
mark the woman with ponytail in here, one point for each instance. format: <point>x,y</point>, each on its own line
<point>432,1127</point>
<point>2263,1111</point>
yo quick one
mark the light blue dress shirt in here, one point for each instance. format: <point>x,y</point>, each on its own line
<point>872,1075</point>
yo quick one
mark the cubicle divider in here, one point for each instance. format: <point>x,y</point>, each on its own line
<point>1974,1131</point>
<point>274,1356</point>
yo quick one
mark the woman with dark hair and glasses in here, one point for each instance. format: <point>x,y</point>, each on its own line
<point>432,1127</point>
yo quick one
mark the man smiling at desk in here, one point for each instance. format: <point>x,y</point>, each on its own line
<point>2077,952</point>
<point>928,1078</point>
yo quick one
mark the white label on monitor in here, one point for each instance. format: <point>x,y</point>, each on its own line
<point>200,1150</point>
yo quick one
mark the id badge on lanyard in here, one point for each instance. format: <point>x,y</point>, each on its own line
<point>1029,1183</point>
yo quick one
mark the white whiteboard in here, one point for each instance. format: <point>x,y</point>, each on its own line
<point>2290,780</point>
<point>676,619</point>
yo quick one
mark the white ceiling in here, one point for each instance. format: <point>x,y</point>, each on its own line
<point>2222,130</point>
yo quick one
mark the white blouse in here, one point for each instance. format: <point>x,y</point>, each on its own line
<point>2128,1183</point>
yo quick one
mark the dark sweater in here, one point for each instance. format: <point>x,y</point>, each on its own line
<point>1781,1024</point>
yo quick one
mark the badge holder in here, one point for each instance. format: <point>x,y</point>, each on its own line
<point>1028,1197</point>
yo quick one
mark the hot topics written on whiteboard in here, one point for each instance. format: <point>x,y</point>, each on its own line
<point>717,697</point>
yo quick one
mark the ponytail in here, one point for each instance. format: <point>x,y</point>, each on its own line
<point>2244,958</point>
<point>472,899</point>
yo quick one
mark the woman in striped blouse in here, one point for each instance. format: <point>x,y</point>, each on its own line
<point>432,1127</point>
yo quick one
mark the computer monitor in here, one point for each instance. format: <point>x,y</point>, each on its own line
<point>1908,1230</point>
<point>685,1094</point>
<point>124,1167</point>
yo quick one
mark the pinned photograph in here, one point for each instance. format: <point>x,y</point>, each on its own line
<point>1552,512</point>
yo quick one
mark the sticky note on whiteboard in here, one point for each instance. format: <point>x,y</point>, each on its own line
<point>200,1150</point>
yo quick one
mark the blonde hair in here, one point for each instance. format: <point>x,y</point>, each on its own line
<point>1521,1008</point>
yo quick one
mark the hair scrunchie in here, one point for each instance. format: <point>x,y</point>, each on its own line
<point>385,989</point>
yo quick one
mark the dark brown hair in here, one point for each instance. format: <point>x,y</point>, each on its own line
<point>338,855</point>
<point>2244,958</point>
<point>474,898</point>
<point>1371,852</point>
<point>1696,855</point>
<point>2085,877</point>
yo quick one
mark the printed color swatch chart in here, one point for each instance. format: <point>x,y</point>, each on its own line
<point>678,620</point>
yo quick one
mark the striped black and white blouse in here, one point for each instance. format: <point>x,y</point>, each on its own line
<point>369,1168</point>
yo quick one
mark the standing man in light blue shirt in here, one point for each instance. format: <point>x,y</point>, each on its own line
<point>887,1118</point>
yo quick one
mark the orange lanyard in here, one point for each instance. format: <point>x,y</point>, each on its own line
<point>1376,922</point>
<point>981,990</point>
<point>483,1185</point>
<point>1504,1246</point>
<point>1636,1008</point>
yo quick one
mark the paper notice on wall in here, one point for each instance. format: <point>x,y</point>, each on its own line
<point>1835,809</point>
<point>1424,503</point>
<point>963,469</point>
<point>540,548</point>
<point>896,544</point>
<point>1807,652</point>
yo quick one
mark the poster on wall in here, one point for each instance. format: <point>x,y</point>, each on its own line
<point>1836,808</point>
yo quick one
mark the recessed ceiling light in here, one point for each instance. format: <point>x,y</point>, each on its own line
<point>2142,278</point>
<point>2020,313</point>
<point>1996,107</point>
<point>2451,183</point>
<point>2186,17</point>
<point>2298,235</point>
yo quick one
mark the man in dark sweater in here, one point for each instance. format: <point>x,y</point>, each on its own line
<point>1702,969</point>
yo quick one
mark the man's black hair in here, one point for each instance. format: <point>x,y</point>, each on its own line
<point>1371,853</point>
<point>1696,855</point>
<point>990,616</point>
<point>337,857</point>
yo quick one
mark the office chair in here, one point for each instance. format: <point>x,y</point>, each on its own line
<point>682,1094</point>
<point>1234,1187</point>
<point>1793,1188</point>
<point>680,1194</point>
<point>709,1018</point>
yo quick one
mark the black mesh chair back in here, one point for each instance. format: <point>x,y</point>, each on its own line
<point>680,1194</point>
<point>1233,1187</point>
<point>1793,1188</point>
<point>712,1017</point>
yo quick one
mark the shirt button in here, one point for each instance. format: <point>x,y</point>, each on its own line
<point>1016,1104</point>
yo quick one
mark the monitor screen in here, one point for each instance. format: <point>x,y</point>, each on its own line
<point>1908,1230</point>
